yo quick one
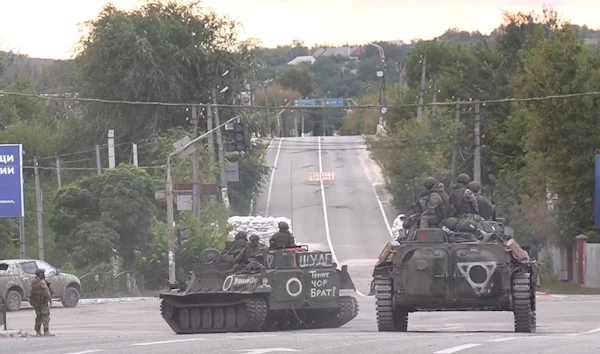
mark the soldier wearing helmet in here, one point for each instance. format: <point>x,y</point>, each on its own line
<point>485,207</point>
<point>238,244</point>
<point>247,252</point>
<point>283,238</point>
<point>461,198</point>
<point>436,208</point>
<point>40,299</point>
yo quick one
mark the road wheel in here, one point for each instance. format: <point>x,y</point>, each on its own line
<point>13,300</point>
<point>71,298</point>
<point>523,303</point>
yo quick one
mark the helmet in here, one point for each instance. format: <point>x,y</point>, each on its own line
<point>228,244</point>
<point>40,272</point>
<point>283,225</point>
<point>474,186</point>
<point>254,238</point>
<point>467,226</point>
<point>451,223</point>
<point>463,178</point>
<point>429,182</point>
<point>241,235</point>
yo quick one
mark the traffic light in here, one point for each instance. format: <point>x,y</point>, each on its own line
<point>239,139</point>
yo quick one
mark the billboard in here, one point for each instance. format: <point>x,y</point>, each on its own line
<point>11,181</point>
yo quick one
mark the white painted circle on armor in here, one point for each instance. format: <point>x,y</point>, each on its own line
<point>227,283</point>
<point>289,282</point>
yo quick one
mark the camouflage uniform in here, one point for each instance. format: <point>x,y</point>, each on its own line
<point>40,299</point>
<point>436,207</point>
<point>486,209</point>
<point>244,256</point>
<point>463,202</point>
<point>283,238</point>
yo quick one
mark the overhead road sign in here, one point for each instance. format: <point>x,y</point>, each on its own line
<point>334,102</point>
<point>11,181</point>
<point>306,103</point>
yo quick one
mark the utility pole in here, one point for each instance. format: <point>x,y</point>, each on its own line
<point>422,91</point>
<point>296,125</point>
<point>302,132</point>
<point>455,141</point>
<point>22,244</point>
<point>477,150</point>
<point>209,128</point>
<point>434,100</point>
<point>195,169</point>
<point>219,142</point>
<point>38,201</point>
<point>135,154</point>
<point>98,160</point>
<point>400,81</point>
<point>58,172</point>
<point>111,148</point>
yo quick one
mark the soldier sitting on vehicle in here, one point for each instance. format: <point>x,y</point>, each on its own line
<point>436,208</point>
<point>283,238</point>
<point>238,245</point>
<point>485,208</point>
<point>244,257</point>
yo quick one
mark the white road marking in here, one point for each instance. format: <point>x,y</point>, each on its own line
<point>457,349</point>
<point>325,205</point>
<point>387,224</point>
<point>443,328</point>
<point>267,350</point>
<point>502,339</point>
<point>592,331</point>
<point>272,176</point>
<point>88,351</point>
<point>168,341</point>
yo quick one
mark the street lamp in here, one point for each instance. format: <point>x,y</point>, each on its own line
<point>381,74</point>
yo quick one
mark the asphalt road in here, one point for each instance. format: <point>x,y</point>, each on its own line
<point>352,224</point>
<point>565,325</point>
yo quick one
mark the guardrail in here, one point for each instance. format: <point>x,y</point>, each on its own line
<point>124,284</point>
<point>2,312</point>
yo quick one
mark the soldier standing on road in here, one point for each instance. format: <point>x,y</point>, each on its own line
<point>283,238</point>
<point>41,298</point>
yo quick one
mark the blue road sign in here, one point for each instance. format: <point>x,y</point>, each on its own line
<point>334,102</point>
<point>597,194</point>
<point>11,181</point>
<point>306,103</point>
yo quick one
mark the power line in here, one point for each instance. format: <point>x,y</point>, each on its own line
<point>173,104</point>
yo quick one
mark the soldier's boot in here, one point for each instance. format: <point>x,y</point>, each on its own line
<point>38,333</point>
<point>47,332</point>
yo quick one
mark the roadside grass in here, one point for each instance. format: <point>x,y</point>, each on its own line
<point>552,285</point>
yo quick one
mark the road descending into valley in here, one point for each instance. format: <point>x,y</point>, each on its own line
<point>349,216</point>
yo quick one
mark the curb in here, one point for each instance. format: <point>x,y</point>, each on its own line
<point>116,299</point>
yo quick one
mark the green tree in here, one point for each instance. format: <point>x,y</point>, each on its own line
<point>98,216</point>
<point>297,78</point>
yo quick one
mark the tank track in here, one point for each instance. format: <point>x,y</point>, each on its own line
<point>251,315</point>
<point>388,320</point>
<point>524,303</point>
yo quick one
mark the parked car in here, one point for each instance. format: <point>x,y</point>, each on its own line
<point>16,276</point>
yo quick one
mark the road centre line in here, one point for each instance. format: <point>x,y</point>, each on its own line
<point>592,331</point>
<point>272,176</point>
<point>88,351</point>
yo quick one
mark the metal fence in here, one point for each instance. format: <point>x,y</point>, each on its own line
<point>124,284</point>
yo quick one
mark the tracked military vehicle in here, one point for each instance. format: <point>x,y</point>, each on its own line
<point>292,289</point>
<point>440,270</point>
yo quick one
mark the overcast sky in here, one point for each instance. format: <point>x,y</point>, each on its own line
<point>49,29</point>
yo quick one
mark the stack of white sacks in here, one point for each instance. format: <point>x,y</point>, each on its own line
<point>264,227</point>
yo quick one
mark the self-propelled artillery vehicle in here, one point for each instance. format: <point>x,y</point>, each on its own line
<point>441,270</point>
<point>290,289</point>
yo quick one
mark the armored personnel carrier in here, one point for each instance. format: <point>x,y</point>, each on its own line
<point>440,270</point>
<point>291,289</point>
